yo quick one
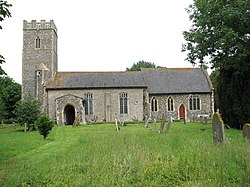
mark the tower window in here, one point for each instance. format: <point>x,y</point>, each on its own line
<point>38,42</point>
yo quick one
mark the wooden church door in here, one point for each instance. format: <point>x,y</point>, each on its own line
<point>182,112</point>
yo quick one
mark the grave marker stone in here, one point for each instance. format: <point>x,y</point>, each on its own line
<point>117,126</point>
<point>146,121</point>
<point>154,128</point>
<point>218,129</point>
<point>246,131</point>
<point>162,123</point>
<point>169,124</point>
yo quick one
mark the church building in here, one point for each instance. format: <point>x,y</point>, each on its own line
<point>80,97</point>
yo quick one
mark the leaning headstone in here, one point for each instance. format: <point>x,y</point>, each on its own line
<point>218,129</point>
<point>162,123</point>
<point>246,131</point>
<point>169,124</point>
<point>154,128</point>
<point>123,123</point>
<point>146,122</point>
<point>117,126</point>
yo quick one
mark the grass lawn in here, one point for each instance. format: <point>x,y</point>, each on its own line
<point>95,155</point>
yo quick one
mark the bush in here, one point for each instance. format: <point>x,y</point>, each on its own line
<point>44,125</point>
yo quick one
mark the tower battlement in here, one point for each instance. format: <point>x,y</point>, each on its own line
<point>39,25</point>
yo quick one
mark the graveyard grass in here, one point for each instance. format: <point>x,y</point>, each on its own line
<point>95,155</point>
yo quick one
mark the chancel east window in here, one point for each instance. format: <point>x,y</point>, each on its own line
<point>123,103</point>
<point>170,104</point>
<point>88,104</point>
<point>154,106</point>
<point>194,102</point>
<point>38,42</point>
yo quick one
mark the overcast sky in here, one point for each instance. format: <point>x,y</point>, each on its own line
<point>101,35</point>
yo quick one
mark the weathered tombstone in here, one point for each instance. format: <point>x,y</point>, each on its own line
<point>117,126</point>
<point>146,121</point>
<point>154,128</point>
<point>205,120</point>
<point>184,120</point>
<point>162,123</point>
<point>200,119</point>
<point>25,127</point>
<point>246,131</point>
<point>218,129</point>
<point>169,124</point>
<point>123,123</point>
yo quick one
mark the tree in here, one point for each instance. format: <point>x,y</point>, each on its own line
<point>214,76</point>
<point>10,94</point>
<point>142,64</point>
<point>44,125</point>
<point>220,36</point>
<point>4,12</point>
<point>27,111</point>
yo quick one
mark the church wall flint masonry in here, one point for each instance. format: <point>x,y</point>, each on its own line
<point>79,97</point>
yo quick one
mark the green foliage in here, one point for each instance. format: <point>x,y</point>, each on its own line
<point>4,12</point>
<point>142,64</point>
<point>44,125</point>
<point>220,36</point>
<point>27,111</point>
<point>214,76</point>
<point>95,155</point>
<point>10,94</point>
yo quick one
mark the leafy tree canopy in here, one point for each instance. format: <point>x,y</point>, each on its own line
<point>10,94</point>
<point>142,64</point>
<point>220,32</point>
<point>4,12</point>
<point>220,36</point>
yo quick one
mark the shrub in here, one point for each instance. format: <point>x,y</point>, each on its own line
<point>44,125</point>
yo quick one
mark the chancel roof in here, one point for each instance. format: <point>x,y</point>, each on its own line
<point>176,80</point>
<point>155,80</point>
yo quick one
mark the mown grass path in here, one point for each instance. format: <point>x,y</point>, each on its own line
<point>95,155</point>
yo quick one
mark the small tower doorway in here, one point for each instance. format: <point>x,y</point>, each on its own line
<point>69,115</point>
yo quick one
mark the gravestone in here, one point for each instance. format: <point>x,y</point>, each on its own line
<point>146,121</point>
<point>246,131</point>
<point>162,123</point>
<point>123,122</point>
<point>117,126</point>
<point>218,129</point>
<point>205,120</point>
<point>154,128</point>
<point>169,124</point>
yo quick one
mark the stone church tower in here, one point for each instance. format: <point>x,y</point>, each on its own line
<point>39,60</point>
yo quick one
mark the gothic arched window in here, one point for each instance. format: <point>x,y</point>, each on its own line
<point>170,104</point>
<point>88,103</point>
<point>123,103</point>
<point>154,107</point>
<point>194,102</point>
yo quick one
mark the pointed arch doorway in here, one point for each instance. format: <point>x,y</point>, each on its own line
<point>69,115</point>
<point>182,112</point>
